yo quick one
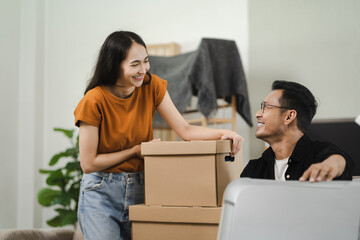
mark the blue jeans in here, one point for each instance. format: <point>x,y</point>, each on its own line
<point>104,204</point>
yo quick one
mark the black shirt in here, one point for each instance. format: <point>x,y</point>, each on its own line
<point>306,152</point>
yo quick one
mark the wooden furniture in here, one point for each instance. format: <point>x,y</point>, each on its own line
<point>166,50</point>
<point>191,114</point>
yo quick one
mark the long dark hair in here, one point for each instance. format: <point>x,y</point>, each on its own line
<point>112,53</point>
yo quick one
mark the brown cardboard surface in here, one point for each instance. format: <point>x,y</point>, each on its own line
<point>180,180</point>
<point>175,223</point>
<point>171,231</point>
<point>185,147</point>
<point>188,173</point>
<point>203,215</point>
<point>226,172</point>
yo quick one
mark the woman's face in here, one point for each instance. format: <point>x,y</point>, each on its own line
<point>134,67</point>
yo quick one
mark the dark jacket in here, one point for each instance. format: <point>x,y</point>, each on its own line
<point>306,152</point>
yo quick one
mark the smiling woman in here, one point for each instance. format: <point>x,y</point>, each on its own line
<point>133,68</point>
<point>115,117</point>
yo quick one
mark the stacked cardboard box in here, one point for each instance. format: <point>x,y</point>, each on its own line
<point>184,186</point>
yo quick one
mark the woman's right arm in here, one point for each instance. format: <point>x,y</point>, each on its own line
<point>90,160</point>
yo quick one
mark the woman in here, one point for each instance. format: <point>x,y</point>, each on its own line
<point>114,117</point>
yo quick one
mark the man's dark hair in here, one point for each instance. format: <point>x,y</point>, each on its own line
<point>298,97</point>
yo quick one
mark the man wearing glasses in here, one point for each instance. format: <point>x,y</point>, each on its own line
<point>282,121</point>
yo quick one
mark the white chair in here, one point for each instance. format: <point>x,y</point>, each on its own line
<point>268,209</point>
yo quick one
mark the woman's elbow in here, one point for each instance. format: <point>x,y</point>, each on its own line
<point>185,133</point>
<point>86,166</point>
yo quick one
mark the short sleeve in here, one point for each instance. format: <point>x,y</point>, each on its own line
<point>88,110</point>
<point>160,86</point>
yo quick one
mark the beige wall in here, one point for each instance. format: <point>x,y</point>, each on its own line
<point>316,43</point>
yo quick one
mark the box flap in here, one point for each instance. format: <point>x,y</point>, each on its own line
<point>185,147</point>
<point>175,214</point>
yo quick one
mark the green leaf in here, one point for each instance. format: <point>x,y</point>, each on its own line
<point>67,153</point>
<point>74,191</point>
<point>54,222</point>
<point>73,166</point>
<point>66,216</point>
<point>75,185</point>
<point>68,132</point>
<point>56,158</point>
<point>56,178</point>
<point>43,171</point>
<point>63,199</point>
<point>46,196</point>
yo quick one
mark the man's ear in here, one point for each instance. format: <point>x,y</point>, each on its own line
<point>290,116</point>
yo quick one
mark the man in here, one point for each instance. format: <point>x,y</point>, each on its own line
<point>282,122</point>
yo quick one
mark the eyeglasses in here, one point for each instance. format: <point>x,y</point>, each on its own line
<point>266,105</point>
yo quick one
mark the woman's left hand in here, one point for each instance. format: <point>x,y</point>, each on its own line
<point>237,141</point>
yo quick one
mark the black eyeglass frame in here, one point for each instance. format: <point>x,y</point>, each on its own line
<point>263,105</point>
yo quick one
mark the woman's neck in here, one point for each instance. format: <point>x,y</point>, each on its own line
<point>121,91</point>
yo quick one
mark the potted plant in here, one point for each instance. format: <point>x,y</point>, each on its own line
<point>63,183</point>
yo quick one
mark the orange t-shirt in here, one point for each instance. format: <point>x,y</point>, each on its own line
<point>122,123</point>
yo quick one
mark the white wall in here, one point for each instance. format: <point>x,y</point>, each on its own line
<point>9,105</point>
<point>57,43</point>
<point>316,43</point>
<point>31,81</point>
<point>21,110</point>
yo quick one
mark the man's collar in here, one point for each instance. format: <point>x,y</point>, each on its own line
<point>300,147</point>
<point>269,154</point>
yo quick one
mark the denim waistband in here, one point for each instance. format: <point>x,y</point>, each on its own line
<point>121,176</point>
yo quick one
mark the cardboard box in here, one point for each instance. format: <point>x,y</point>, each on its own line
<point>188,173</point>
<point>175,223</point>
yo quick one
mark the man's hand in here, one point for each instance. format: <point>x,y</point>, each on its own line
<point>327,170</point>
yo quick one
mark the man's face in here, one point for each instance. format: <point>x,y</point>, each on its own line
<point>270,122</point>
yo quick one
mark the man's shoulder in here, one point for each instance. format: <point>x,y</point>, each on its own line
<point>308,141</point>
<point>307,145</point>
<point>255,161</point>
